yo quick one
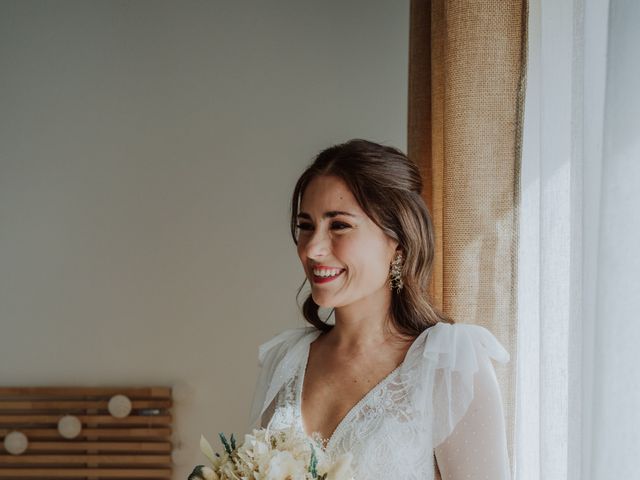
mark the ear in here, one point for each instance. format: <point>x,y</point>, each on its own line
<point>394,248</point>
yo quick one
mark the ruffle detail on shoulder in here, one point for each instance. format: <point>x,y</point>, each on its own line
<point>452,354</point>
<point>285,339</point>
<point>279,358</point>
<point>452,345</point>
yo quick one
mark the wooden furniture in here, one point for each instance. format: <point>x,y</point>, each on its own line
<point>136,446</point>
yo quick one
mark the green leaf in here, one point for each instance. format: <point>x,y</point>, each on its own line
<point>313,464</point>
<point>227,447</point>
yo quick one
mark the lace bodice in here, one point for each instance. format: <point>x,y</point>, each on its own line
<point>444,398</point>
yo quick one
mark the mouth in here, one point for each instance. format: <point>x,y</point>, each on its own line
<point>326,275</point>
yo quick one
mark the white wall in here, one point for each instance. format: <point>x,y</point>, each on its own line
<point>147,154</point>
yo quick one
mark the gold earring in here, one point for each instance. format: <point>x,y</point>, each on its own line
<point>395,273</point>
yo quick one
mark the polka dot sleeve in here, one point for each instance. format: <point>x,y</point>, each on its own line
<point>477,448</point>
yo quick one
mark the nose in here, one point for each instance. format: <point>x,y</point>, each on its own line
<point>317,245</point>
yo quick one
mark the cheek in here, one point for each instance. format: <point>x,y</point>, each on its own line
<point>301,248</point>
<point>374,261</point>
<point>365,259</point>
<point>346,252</point>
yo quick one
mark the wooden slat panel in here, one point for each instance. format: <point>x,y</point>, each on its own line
<point>85,472</point>
<point>97,419</point>
<point>70,445</point>
<point>96,432</point>
<point>131,392</point>
<point>65,405</point>
<point>137,446</point>
<point>82,459</point>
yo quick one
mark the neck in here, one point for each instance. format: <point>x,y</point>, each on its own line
<point>364,324</point>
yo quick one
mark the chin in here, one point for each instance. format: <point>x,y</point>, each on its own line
<point>323,302</point>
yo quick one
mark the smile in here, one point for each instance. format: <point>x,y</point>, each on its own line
<point>326,275</point>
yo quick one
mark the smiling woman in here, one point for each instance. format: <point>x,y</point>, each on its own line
<point>368,196</point>
<point>393,381</point>
<point>344,253</point>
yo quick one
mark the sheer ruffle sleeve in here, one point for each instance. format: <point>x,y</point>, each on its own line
<point>279,358</point>
<point>456,353</point>
<point>460,391</point>
<point>477,447</point>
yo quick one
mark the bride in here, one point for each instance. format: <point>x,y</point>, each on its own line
<point>393,381</point>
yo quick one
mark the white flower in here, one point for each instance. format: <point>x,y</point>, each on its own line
<point>284,466</point>
<point>257,446</point>
<point>208,474</point>
<point>274,455</point>
<point>203,473</point>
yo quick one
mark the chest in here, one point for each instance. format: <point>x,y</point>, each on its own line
<point>382,430</point>
<point>327,393</point>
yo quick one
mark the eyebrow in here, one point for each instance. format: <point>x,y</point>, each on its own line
<point>330,214</point>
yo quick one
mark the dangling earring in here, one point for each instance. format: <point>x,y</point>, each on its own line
<point>395,273</point>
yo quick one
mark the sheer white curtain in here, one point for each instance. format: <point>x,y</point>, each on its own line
<point>578,392</point>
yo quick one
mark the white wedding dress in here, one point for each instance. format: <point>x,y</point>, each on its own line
<point>443,398</point>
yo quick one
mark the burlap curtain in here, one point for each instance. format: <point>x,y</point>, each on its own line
<point>466,84</point>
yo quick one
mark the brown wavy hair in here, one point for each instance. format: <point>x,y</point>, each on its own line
<point>387,186</point>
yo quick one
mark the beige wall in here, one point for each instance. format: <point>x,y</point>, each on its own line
<point>147,155</point>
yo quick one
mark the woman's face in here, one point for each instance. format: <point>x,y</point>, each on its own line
<point>345,255</point>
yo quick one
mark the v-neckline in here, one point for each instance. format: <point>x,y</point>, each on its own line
<point>352,411</point>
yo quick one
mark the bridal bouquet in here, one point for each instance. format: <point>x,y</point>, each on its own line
<point>272,455</point>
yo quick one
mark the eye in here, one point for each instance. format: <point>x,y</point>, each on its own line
<point>339,226</point>
<point>304,226</point>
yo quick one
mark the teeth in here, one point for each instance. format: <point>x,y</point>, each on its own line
<point>326,273</point>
